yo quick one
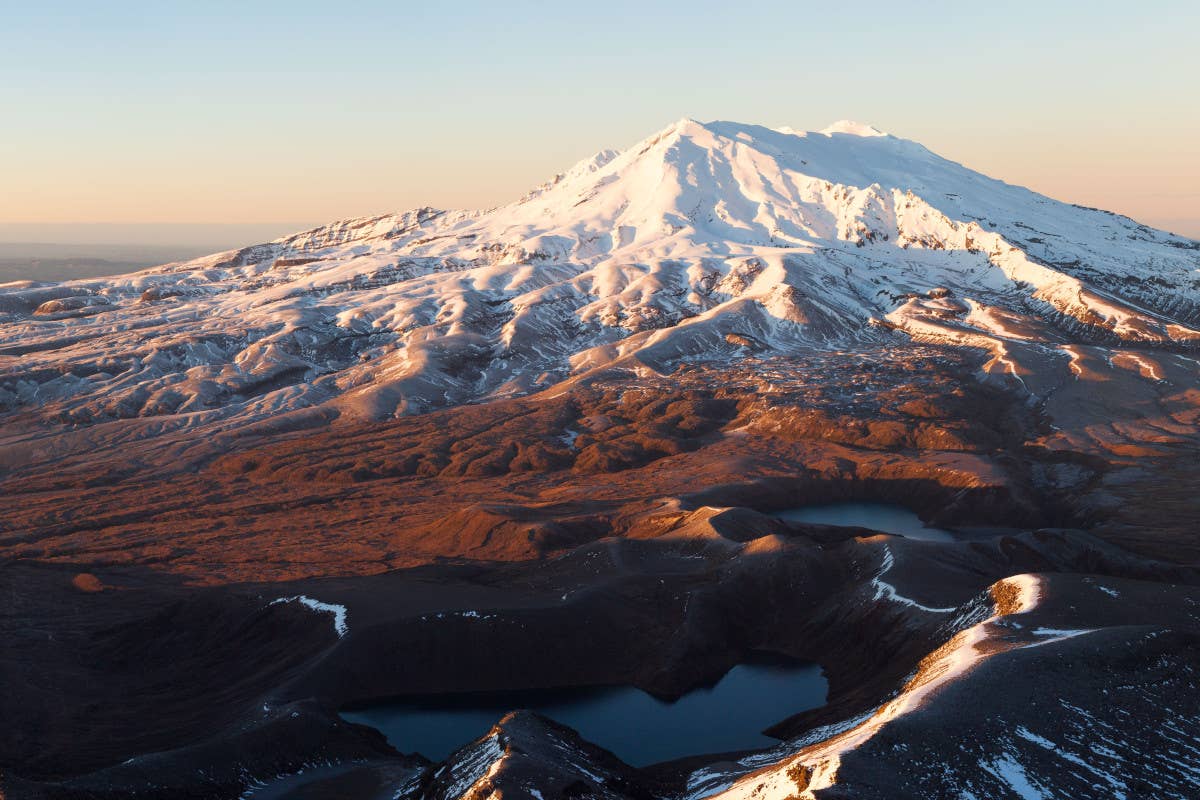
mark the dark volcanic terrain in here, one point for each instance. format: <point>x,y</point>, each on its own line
<point>396,457</point>
<point>615,533</point>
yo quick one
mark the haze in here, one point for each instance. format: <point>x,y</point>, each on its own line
<point>285,115</point>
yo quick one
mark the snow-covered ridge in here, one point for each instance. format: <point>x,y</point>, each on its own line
<point>819,755</point>
<point>688,244</point>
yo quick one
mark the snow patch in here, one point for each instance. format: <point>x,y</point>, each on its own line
<point>1009,770</point>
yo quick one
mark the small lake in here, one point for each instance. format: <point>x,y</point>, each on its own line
<point>638,728</point>
<point>897,520</point>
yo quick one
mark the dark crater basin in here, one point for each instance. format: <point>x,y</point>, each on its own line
<point>637,727</point>
<point>884,517</point>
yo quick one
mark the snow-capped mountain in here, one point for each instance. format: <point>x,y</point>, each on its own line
<point>704,241</point>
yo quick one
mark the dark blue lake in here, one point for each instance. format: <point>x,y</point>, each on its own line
<point>892,519</point>
<point>637,727</point>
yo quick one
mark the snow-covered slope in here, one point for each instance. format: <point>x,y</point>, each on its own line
<point>704,241</point>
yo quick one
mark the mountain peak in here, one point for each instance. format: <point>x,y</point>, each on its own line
<point>852,128</point>
<point>686,126</point>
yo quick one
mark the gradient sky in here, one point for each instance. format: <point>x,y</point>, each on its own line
<point>295,113</point>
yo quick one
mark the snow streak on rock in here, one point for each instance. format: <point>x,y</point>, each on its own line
<point>338,611</point>
<point>886,591</point>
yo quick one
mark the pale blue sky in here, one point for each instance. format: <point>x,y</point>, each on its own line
<point>302,112</point>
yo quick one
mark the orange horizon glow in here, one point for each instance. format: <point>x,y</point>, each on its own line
<point>141,114</point>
